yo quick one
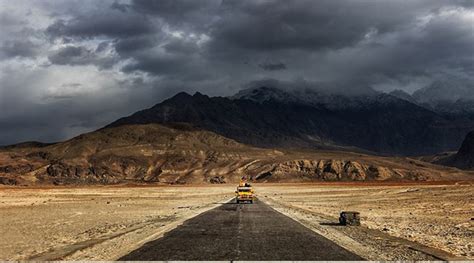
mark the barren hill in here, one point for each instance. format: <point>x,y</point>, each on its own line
<point>158,154</point>
<point>269,117</point>
<point>462,159</point>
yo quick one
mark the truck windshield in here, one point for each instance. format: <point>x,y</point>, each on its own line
<point>244,190</point>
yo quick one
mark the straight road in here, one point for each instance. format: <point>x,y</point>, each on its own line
<point>241,232</point>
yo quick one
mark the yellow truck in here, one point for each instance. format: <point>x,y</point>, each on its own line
<point>244,193</point>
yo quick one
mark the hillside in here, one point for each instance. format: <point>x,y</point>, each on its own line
<point>453,99</point>
<point>267,117</point>
<point>158,154</point>
<point>463,158</point>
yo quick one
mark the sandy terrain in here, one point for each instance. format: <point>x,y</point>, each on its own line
<point>100,223</point>
<point>437,216</point>
<point>408,222</point>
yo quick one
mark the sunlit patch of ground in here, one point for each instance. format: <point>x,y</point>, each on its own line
<point>104,222</point>
<point>439,216</point>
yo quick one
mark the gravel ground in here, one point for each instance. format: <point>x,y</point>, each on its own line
<point>106,223</point>
<point>95,223</point>
<point>437,216</point>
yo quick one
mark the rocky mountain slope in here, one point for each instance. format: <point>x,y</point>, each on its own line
<point>448,91</point>
<point>269,117</point>
<point>463,158</point>
<point>451,99</point>
<point>158,154</point>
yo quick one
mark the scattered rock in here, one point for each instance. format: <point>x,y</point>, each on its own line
<point>217,180</point>
<point>7,181</point>
<point>264,175</point>
<point>39,155</point>
<point>18,169</point>
<point>329,170</point>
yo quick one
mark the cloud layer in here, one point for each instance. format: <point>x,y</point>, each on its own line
<point>72,66</point>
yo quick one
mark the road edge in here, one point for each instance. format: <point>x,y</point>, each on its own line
<point>347,242</point>
<point>110,243</point>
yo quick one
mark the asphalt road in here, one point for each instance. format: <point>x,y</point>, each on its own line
<point>241,232</point>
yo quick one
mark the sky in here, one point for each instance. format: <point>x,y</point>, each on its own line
<point>68,67</point>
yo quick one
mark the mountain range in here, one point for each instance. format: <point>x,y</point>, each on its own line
<point>265,134</point>
<point>452,99</point>
<point>156,154</point>
<point>270,117</point>
<point>463,158</point>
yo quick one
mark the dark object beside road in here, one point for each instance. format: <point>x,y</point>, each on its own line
<point>349,218</point>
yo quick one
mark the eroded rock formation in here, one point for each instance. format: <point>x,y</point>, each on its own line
<point>158,154</point>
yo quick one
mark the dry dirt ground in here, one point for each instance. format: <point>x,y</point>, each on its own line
<point>105,223</point>
<point>436,216</point>
<point>100,223</point>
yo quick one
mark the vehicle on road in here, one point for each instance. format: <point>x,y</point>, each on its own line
<point>244,192</point>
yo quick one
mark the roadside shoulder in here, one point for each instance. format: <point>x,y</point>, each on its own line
<point>367,243</point>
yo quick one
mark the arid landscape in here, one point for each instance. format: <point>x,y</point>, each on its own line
<point>155,153</point>
<point>103,195</point>
<point>437,216</point>
<point>216,130</point>
<point>97,223</point>
<point>404,222</point>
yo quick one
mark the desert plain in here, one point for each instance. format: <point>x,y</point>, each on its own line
<point>94,223</point>
<point>396,219</point>
<point>399,221</point>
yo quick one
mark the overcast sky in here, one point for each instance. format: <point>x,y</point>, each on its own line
<point>68,67</point>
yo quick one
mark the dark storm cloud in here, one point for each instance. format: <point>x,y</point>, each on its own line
<point>9,20</point>
<point>272,66</point>
<point>158,65</point>
<point>181,47</point>
<point>153,49</point>
<point>107,23</point>
<point>442,42</point>
<point>119,6</point>
<point>127,46</point>
<point>290,31</point>
<point>61,115</point>
<point>169,7</point>
<point>69,54</point>
<point>312,25</point>
<point>169,65</point>
<point>16,38</point>
<point>18,48</point>
<point>184,15</point>
<point>102,46</point>
<point>196,14</point>
<point>79,55</point>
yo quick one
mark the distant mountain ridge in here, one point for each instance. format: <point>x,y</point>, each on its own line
<point>452,99</point>
<point>447,91</point>
<point>270,117</point>
<point>306,135</point>
<point>463,158</point>
<point>155,154</point>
